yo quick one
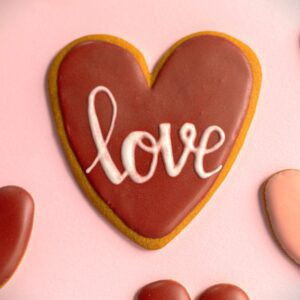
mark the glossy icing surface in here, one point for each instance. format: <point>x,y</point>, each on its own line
<point>223,292</point>
<point>163,290</point>
<point>282,196</point>
<point>206,81</point>
<point>16,218</point>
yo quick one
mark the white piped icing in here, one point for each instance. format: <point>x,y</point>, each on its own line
<point>163,145</point>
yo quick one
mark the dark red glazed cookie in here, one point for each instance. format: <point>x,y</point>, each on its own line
<point>16,219</point>
<point>149,150</point>
<point>163,290</point>
<point>224,292</point>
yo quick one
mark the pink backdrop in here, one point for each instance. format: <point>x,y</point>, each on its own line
<point>74,253</point>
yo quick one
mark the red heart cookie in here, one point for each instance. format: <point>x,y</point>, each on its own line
<point>163,290</point>
<point>223,292</point>
<point>16,218</point>
<point>149,150</point>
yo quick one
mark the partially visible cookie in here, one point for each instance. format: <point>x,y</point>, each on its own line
<point>16,218</point>
<point>163,290</point>
<point>282,202</point>
<point>224,292</point>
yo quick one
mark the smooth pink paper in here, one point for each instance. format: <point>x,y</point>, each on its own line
<point>74,253</point>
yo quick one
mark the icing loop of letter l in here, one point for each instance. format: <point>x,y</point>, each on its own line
<point>187,135</point>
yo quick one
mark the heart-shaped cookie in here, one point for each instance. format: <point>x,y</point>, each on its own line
<point>223,291</point>
<point>16,218</point>
<point>282,202</point>
<point>163,290</point>
<point>149,150</point>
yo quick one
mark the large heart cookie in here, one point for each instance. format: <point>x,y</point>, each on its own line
<point>149,150</point>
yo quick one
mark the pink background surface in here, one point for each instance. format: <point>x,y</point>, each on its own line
<point>74,253</point>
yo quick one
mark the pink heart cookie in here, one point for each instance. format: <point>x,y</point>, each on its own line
<point>282,200</point>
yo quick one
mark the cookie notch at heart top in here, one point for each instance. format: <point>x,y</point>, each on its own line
<point>79,171</point>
